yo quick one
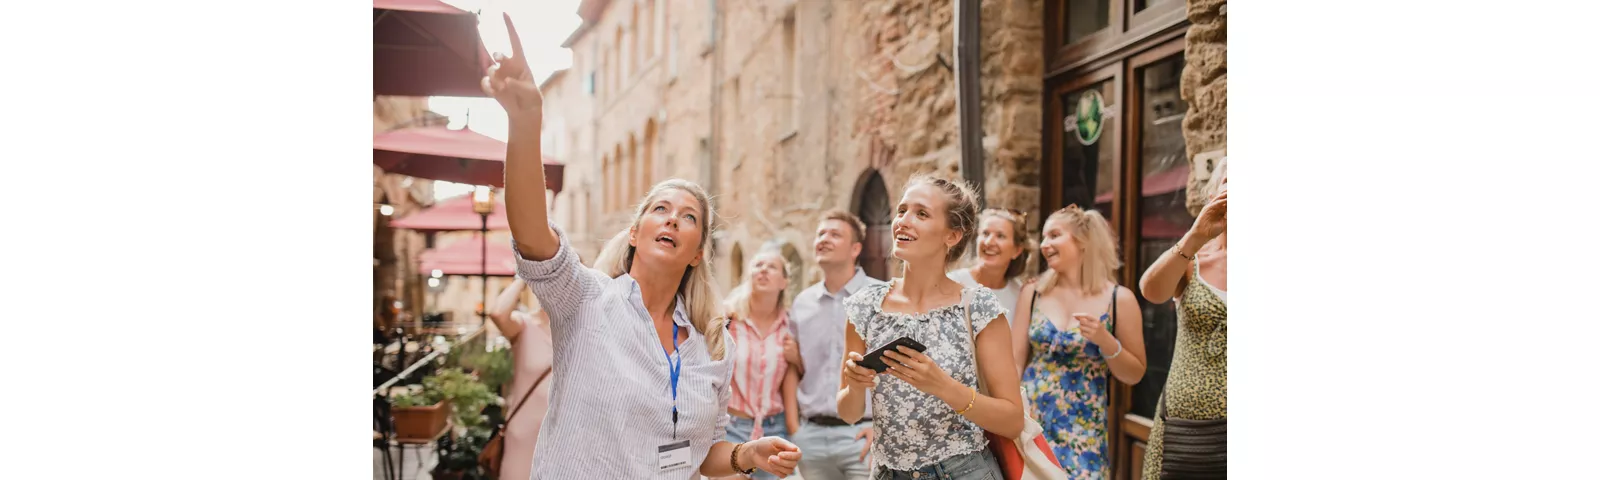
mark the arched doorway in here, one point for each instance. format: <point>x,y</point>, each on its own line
<point>797,271</point>
<point>872,205</point>
<point>736,265</point>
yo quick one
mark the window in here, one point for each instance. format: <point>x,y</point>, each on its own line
<point>672,54</point>
<point>790,91</point>
<point>588,83</point>
<point>1087,157</point>
<point>1163,215</point>
<point>712,15</point>
<point>1082,18</point>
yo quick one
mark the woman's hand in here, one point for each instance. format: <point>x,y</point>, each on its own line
<point>1213,219</point>
<point>511,83</point>
<point>772,454</point>
<point>918,370</point>
<point>1093,330</point>
<point>857,376</point>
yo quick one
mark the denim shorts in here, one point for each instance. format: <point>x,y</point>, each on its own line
<point>979,465</point>
<point>772,426</point>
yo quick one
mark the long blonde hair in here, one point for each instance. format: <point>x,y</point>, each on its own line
<point>696,288</point>
<point>738,302</point>
<point>1099,262</point>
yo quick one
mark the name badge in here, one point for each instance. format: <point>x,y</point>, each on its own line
<point>672,456</point>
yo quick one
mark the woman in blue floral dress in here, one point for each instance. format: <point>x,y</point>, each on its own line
<point>1064,340</point>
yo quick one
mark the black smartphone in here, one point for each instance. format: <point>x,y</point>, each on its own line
<point>875,359</point>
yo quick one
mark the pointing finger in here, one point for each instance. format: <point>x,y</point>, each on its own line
<point>516,41</point>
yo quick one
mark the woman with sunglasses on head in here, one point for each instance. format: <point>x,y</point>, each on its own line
<point>641,383</point>
<point>1076,328</point>
<point>1194,272</point>
<point>928,415</point>
<point>1002,256</point>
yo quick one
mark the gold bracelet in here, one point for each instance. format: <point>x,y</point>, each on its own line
<point>969,403</point>
<point>1180,253</point>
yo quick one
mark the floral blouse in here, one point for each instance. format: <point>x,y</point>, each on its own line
<point>914,429</point>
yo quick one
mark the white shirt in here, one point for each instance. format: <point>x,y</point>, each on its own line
<point>1006,296</point>
<point>610,400</point>
<point>817,320</point>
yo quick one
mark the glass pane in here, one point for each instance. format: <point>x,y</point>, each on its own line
<point>1140,5</point>
<point>1164,218</point>
<point>1082,18</point>
<point>1086,148</point>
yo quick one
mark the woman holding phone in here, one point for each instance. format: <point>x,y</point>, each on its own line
<point>1077,327</point>
<point>928,416</point>
<point>764,400</point>
<point>1195,274</point>
<point>641,381</point>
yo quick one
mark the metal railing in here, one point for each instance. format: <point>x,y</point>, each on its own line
<point>425,359</point>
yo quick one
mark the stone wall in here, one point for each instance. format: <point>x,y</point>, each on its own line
<point>1205,88</point>
<point>782,108</point>
<point>1012,79</point>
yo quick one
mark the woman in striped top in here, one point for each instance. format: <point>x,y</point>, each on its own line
<point>641,381</point>
<point>763,383</point>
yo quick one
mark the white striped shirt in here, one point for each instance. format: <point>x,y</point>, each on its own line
<point>610,401</point>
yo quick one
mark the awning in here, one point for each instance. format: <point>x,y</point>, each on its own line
<point>465,257</point>
<point>461,156</point>
<point>453,214</point>
<point>426,48</point>
<point>1159,184</point>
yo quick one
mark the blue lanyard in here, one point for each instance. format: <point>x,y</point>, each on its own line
<point>673,369</point>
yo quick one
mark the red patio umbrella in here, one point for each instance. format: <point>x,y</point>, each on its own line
<point>453,214</point>
<point>465,257</point>
<point>461,156</point>
<point>426,48</point>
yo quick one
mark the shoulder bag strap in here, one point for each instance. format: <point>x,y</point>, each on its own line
<point>529,395</point>
<point>972,339</point>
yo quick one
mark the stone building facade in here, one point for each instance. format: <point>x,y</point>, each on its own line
<point>786,108</point>
<point>839,103</point>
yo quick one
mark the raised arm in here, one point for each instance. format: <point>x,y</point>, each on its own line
<point>1160,282</point>
<point>506,303</point>
<point>511,83</point>
<point>1019,328</point>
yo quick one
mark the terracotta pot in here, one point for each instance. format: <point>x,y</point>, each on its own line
<point>421,423</point>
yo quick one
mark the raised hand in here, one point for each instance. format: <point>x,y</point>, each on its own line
<point>511,83</point>
<point>1213,219</point>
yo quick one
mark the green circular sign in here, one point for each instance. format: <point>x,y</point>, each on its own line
<point>1090,117</point>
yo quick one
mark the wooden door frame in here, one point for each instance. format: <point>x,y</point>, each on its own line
<point>1131,43</point>
<point>1127,427</point>
<point>1055,135</point>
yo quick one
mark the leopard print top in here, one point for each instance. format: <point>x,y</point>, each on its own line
<point>1197,387</point>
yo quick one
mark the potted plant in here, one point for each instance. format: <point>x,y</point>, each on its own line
<point>465,393</point>
<point>419,416</point>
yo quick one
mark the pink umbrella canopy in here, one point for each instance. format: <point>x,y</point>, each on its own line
<point>426,48</point>
<point>465,257</point>
<point>453,214</point>
<point>461,156</point>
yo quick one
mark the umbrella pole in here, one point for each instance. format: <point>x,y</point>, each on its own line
<point>483,236</point>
